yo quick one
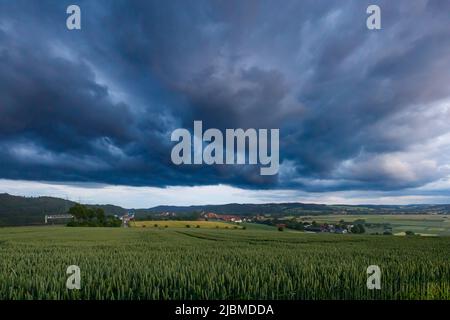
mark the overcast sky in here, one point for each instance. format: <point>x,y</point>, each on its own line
<point>364,115</point>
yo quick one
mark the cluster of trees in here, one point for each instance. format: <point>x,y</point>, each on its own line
<point>358,228</point>
<point>84,216</point>
<point>290,224</point>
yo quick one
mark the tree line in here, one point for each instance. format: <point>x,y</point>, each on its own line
<point>84,216</point>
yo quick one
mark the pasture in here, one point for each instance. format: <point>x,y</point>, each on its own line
<point>184,224</point>
<point>438,225</point>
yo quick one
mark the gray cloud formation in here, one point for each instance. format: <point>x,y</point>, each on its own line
<point>357,109</point>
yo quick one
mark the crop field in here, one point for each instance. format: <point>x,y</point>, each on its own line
<point>184,224</point>
<point>421,224</point>
<point>197,263</point>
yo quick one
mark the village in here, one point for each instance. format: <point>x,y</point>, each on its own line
<point>281,223</point>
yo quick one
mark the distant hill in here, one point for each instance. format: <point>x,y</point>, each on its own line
<point>16,210</point>
<point>239,209</point>
<point>297,208</point>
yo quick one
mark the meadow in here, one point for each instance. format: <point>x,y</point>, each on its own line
<point>201,263</point>
<point>184,224</point>
<point>423,224</point>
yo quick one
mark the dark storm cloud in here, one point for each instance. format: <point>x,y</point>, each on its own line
<point>357,109</point>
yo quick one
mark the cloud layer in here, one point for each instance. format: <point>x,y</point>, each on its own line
<point>357,109</point>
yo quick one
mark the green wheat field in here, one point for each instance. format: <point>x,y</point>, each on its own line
<point>196,263</point>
